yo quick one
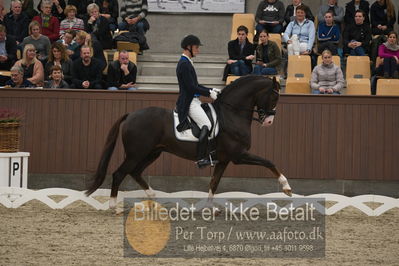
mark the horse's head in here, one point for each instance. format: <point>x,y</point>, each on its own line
<point>266,103</point>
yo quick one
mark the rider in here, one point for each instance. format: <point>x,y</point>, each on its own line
<point>188,102</point>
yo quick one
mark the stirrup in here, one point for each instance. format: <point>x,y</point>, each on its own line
<point>206,161</point>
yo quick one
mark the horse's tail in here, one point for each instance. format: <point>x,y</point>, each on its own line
<point>106,156</point>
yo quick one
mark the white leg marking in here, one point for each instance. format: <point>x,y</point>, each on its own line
<point>112,203</point>
<point>150,193</point>
<point>284,182</point>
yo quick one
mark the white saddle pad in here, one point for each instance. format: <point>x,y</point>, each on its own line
<point>187,135</point>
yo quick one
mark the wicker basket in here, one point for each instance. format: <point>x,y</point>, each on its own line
<point>9,137</point>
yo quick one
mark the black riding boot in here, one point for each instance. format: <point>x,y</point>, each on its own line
<point>202,157</point>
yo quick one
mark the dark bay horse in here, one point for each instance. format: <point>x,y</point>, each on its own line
<point>148,132</point>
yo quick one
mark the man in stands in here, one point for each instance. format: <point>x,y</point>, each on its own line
<point>270,16</point>
<point>133,15</point>
<point>17,22</point>
<point>122,73</point>
<point>86,71</point>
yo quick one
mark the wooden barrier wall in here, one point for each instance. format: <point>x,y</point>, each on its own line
<point>318,137</point>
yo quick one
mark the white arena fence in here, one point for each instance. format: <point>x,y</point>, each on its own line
<point>12,197</point>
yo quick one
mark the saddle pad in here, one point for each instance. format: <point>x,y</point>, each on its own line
<point>187,135</point>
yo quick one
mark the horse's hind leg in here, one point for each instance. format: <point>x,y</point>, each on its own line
<point>117,178</point>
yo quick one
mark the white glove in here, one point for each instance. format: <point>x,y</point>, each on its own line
<point>213,94</point>
<point>218,91</point>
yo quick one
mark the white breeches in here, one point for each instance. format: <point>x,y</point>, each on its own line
<point>198,114</point>
<point>302,48</point>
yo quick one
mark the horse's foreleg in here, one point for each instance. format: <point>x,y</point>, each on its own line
<point>251,159</point>
<point>217,174</point>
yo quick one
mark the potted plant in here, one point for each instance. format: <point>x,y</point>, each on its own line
<point>10,121</point>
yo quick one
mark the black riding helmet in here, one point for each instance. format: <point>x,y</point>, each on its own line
<point>190,40</point>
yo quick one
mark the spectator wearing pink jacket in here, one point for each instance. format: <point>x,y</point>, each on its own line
<point>389,51</point>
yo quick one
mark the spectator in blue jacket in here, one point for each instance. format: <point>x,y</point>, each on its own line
<point>328,34</point>
<point>304,29</point>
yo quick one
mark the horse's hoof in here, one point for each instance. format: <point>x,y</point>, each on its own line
<point>287,192</point>
<point>119,211</point>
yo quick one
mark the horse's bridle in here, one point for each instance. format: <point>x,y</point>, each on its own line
<point>262,113</point>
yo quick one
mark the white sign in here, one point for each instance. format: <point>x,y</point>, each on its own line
<point>197,6</point>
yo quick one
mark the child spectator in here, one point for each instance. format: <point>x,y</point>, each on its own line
<point>56,79</point>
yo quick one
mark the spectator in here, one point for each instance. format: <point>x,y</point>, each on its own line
<point>57,8</point>
<point>56,79</point>
<point>27,7</point>
<point>305,31</point>
<point>33,68</point>
<point>39,41</point>
<point>270,16</point>
<point>357,36</point>
<point>327,78</point>
<point>71,22</point>
<point>328,34</point>
<point>17,22</point>
<point>8,49</point>
<point>332,5</point>
<point>81,6</point>
<point>241,54</point>
<point>69,42</point>
<point>49,24</point>
<point>383,17</point>
<point>353,6</point>
<point>291,11</point>
<point>86,71</point>
<point>122,73</point>
<point>109,9</point>
<point>133,15</point>
<point>98,26</point>
<point>17,79</point>
<point>59,57</point>
<point>268,56</point>
<point>83,38</point>
<point>389,51</point>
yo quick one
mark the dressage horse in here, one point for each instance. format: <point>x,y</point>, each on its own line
<point>148,132</point>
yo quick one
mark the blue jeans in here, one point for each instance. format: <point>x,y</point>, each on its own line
<point>260,70</point>
<point>139,27</point>
<point>318,92</point>
<point>270,28</point>
<point>239,68</point>
<point>359,51</point>
<point>115,89</point>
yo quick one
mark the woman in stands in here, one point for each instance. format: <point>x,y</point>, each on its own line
<point>304,29</point>
<point>327,78</point>
<point>351,8</point>
<point>383,17</point>
<point>268,56</point>
<point>98,26</point>
<point>59,57</point>
<point>71,22</point>
<point>50,25</point>
<point>110,10</point>
<point>328,34</point>
<point>38,40</point>
<point>33,68</point>
<point>389,51</point>
<point>17,79</point>
<point>357,36</point>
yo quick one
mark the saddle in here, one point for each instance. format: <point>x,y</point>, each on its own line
<point>191,131</point>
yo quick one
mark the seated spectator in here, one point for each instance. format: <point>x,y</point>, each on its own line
<point>268,56</point>
<point>57,8</point>
<point>241,54</point>
<point>33,68</point>
<point>8,49</point>
<point>353,6</point>
<point>357,36</point>
<point>81,6</point>
<point>27,7</point>
<point>328,34</point>
<point>270,16</point>
<point>86,71</point>
<point>39,41</point>
<point>56,79</point>
<point>133,15</point>
<point>109,9</point>
<point>83,38</point>
<point>17,79</point>
<point>122,73</point>
<point>383,17</point>
<point>291,11</point>
<point>305,31</point>
<point>98,26</point>
<point>17,22</point>
<point>59,57</point>
<point>332,5</point>
<point>389,51</point>
<point>71,22</point>
<point>50,25</point>
<point>327,78</point>
<point>69,42</point>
